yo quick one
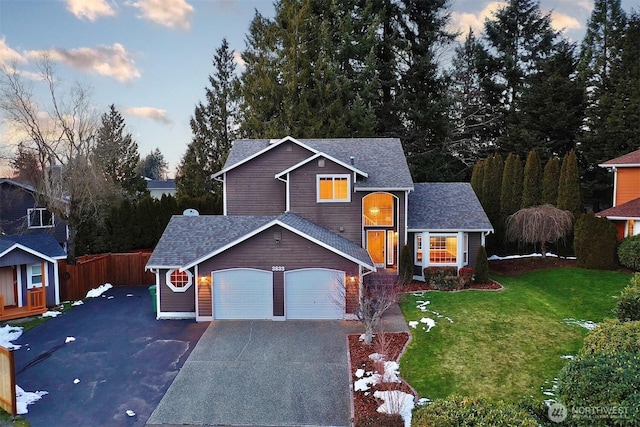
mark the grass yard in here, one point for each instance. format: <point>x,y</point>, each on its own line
<point>505,344</point>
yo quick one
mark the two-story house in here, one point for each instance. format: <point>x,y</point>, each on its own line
<point>32,240</point>
<point>625,213</point>
<point>304,221</point>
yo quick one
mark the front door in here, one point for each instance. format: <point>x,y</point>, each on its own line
<point>376,240</point>
<point>8,285</point>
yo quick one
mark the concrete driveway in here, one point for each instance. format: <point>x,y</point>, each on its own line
<point>263,373</point>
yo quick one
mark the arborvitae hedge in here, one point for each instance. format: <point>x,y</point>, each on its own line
<point>405,269</point>
<point>569,196</point>
<point>481,266</point>
<point>532,181</point>
<point>595,242</point>
<point>550,181</point>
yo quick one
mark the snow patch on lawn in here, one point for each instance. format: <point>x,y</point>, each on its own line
<point>25,398</point>
<point>96,292</point>
<point>77,303</point>
<point>396,402</point>
<point>534,255</point>
<point>587,324</point>
<point>10,333</point>
<point>50,313</point>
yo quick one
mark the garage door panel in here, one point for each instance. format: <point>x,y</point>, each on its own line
<point>314,294</point>
<point>243,294</point>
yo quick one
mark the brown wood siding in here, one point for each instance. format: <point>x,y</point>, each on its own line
<point>251,189</point>
<point>278,293</point>
<point>293,252</point>
<point>627,185</point>
<point>205,302</point>
<point>182,302</point>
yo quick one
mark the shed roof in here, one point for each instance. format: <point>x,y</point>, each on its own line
<point>41,245</point>
<point>451,206</point>
<point>216,233</point>
<point>382,159</point>
<point>630,209</point>
<point>628,160</point>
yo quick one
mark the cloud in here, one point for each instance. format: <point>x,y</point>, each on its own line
<point>90,9</point>
<point>584,4</point>
<point>560,21</point>
<point>237,58</point>
<point>8,55</point>
<point>111,61</point>
<point>155,114</point>
<point>461,21</point>
<point>169,13</point>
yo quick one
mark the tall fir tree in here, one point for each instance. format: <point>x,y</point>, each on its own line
<point>569,192</point>
<point>153,165</point>
<point>516,41</point>
<point>116,153</point>
<point>532,181</point>
<point>491,185</point>
<point>477,179</point>
<point>511,188</point>
<point>550,181</point>
<point>213,125</point>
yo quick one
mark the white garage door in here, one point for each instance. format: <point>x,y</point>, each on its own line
<point>243,293</point>
<point>314,293</point>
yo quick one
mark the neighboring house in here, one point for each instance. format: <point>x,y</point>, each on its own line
<point>157,188</point>
<point>304,221</point>
<point>20,213</point>
<point>625,213</point>
<point>28,274</point>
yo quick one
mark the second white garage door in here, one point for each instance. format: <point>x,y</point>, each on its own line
<point>314,293</point>
<point>243,293</point>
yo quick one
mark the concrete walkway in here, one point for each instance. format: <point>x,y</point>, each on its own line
<point>266,373</point>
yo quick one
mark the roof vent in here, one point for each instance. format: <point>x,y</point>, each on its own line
<point>352,160</point>
<point>190,212</point>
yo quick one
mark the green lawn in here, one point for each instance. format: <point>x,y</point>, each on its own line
<point>505,344</point>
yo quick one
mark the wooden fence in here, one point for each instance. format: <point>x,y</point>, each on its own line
<point>7,382</point>
<point>94,270</point>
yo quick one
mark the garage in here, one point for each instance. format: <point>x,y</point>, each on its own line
<point>314,293</point>
<point>242,293</point>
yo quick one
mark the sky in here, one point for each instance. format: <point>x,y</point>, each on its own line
<point>152,58</point>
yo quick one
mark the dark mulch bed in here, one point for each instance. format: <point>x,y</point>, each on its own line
<point>366,404</point>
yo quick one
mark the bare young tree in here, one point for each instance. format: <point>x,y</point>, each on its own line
<point>539,225</point>
<point>59,135</point>
<point>375,300</point>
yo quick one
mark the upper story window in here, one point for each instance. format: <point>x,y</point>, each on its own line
<point>377,210</point>
<point>333,188</point>
<point>179,280</point>
<point>40,218</point>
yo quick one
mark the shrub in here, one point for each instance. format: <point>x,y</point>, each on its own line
<point>482,266</point>
<point>466,275</point>
<point>613,336</point>
<point>629,252</point>
<point>405,269</point>
<point>456,411</point>
<point>602,380</point>
<point>628,306</point>
<point>595,242</point>
<point>443,278</point>
<point>381,420</point>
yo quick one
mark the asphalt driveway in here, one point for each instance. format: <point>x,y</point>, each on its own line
<point>122,359</point>
<point>263,373</point>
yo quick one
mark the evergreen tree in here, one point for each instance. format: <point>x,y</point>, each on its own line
<point>153,165</point>
<point>552,107</point>
<point>532,182</point>
<point>214,128</point>
<point>117,154</point>
<point>491,183</point>
<point>600,55</point>
<point>569,194</point>
<point>516,41</point>
<point>550,181</point>
<point>477,179</point>
<point>511,188</point>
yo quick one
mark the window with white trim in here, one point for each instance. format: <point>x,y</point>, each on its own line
<point>179,280</point>
<point>418,250</point>
<point>40,218</point>
<point>34,276</point>
<point>333,188</point>
<point>443,249</point>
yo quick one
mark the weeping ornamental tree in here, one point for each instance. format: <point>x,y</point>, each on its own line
<point>539,225</point>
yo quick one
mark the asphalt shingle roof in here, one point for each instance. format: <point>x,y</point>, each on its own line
<point>446,206</point>
<point>631,209</point>
<point>381,158</point>
<point>628,159</point>
<point>44,244</point>
<point>214,232</point>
